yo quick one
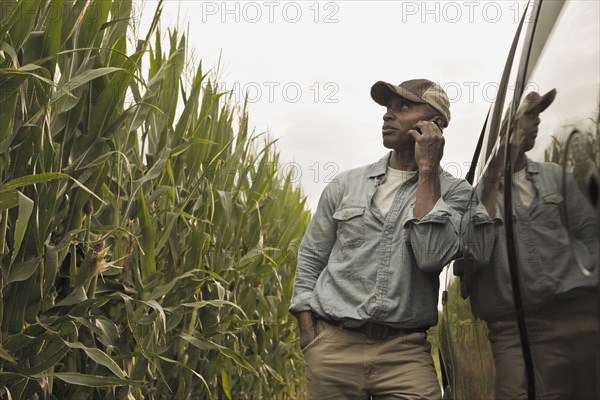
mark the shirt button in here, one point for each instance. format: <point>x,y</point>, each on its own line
<point>345,215</point>
<point>386,233</point>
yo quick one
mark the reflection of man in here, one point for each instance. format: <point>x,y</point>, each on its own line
<point>366,286</point>
<point>560,301</point>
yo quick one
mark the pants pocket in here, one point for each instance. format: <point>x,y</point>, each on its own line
<point>324,331</point>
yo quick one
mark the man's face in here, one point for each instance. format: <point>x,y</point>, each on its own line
<point>400,117</point>
<point>527,127</point>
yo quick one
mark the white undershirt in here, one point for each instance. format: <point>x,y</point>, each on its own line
<point>386,192</point>
<point>524,187</point>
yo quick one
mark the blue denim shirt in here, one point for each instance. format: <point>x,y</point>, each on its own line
<point>547,252</point>
<point>354,265</point>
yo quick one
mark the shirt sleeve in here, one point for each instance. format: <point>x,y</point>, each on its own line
<point>583,225</point>
<point>478,233</point>
<point>315,249</point>
<point>434,239</point>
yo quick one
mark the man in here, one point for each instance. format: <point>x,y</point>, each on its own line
<point>366,285</point>
<point>557,266</point>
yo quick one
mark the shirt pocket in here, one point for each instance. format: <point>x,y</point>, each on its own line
<point>350,226</point>
<point>553,203</point>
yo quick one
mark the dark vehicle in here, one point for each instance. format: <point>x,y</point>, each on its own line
<point>521,312</point>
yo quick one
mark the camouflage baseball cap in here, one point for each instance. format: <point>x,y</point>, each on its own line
<point>533,100</point>
<point>421,91</point>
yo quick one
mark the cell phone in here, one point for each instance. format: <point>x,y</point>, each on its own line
<point>432,119</point>
<point>435,121</point>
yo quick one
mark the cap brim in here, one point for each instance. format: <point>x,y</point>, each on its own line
<point>382,91</point>
<point>543,102</point>
<point>547,99</point>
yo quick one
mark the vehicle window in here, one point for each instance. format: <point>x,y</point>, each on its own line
<point>552,128</point>
<point>568,132</point>
<point>571,65</point>
<point>553,209</point>
<point>463,337</point>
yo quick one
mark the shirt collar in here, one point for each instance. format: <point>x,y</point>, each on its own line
<point>380,167</point>
<point>532,167</point>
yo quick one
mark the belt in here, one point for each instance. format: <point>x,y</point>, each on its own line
<point>374,330</point>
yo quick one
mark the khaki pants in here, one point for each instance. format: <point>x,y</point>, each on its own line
<point>343,364</point>
<point>563,338</point>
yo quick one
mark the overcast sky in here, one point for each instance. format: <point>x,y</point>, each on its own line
<point>308,67</point>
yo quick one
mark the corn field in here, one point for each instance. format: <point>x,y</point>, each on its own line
<point>147,238</point>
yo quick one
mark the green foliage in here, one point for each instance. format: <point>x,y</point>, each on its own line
<point>465,348</point>
<point>582,157</point>
<point>147,240</point>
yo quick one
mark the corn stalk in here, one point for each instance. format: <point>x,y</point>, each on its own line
<point>147,239</point>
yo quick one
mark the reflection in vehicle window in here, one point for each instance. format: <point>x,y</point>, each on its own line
<point>463,340</point>
<point>568,141</point>
<point>554,145</point>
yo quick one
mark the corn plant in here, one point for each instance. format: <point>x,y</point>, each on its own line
<point>465,347</point>
<point>147,238</point>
